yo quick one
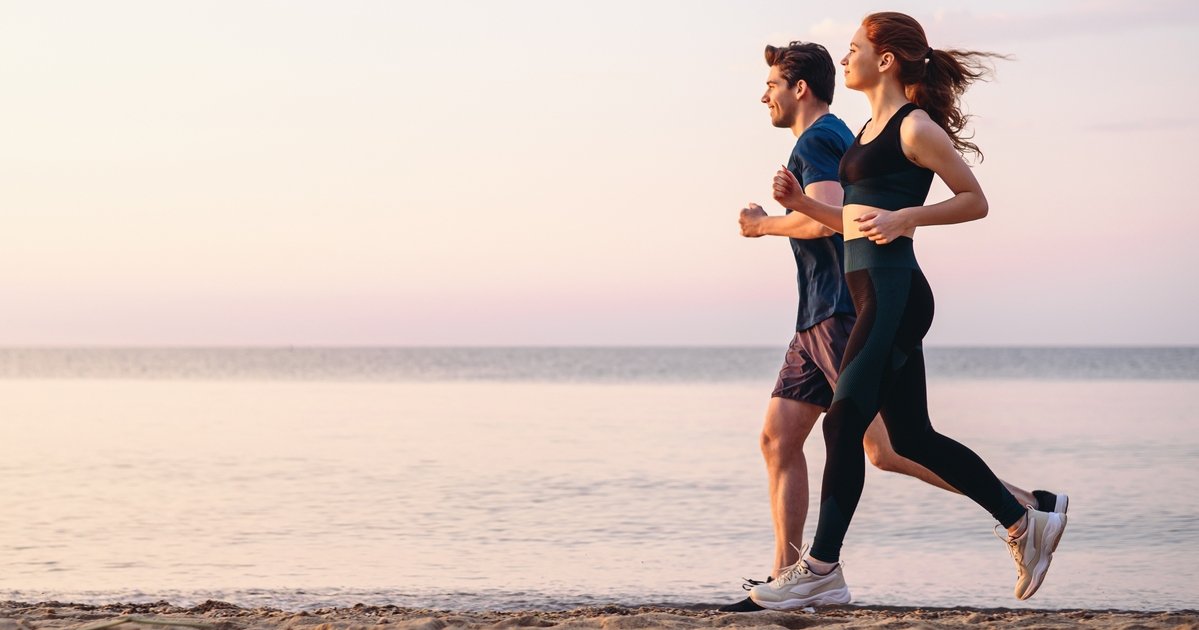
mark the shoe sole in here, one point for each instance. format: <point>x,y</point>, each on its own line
<point>1063,504</point>
<point>1052,535</point>
<point>827,598</point>
<point>742,607</point>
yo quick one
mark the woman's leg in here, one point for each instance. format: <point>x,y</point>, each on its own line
<point>1033,535</point>
<point>905,412</point>
<point>879,295</point>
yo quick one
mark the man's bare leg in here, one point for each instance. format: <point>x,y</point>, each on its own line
<point>878,449</point>
<point>788,423</point>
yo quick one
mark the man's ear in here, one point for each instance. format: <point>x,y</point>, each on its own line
<point>799,88</point>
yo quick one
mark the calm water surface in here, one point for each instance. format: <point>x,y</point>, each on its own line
<point>145,475</point>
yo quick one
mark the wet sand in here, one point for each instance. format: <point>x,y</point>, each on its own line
<point>222,616</point>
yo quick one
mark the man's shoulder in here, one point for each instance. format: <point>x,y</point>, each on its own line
<point>828,129</point>
<point>825,137</point>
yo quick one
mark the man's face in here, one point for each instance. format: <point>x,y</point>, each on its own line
<point>781,99</point>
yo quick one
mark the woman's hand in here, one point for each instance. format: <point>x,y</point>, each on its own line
<point>883,226</point>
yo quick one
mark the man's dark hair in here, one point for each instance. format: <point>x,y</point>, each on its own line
<point>807,61</point>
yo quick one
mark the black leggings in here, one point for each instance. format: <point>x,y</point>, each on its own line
<point>883,370</point>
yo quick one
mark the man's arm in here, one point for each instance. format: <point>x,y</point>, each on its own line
<point>755,222</point>
<point>823,205</point>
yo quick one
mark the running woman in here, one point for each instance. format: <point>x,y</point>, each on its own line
<point>799,91</point>
<point>915,131</point>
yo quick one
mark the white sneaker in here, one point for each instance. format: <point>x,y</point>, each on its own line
<point>1048,501</point>
<point>797,587</point>
<point>1033,550</point>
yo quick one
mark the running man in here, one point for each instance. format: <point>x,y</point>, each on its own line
<point>799,91</point>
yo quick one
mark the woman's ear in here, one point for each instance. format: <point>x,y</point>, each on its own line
<point>885,61</point>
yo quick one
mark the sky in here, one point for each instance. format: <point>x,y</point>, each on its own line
<point>555,172</point>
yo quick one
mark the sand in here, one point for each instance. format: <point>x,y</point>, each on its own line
<point>222,616</point>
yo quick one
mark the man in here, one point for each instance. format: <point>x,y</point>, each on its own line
<point>799,91</point>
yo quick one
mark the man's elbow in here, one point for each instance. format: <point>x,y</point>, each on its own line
<point>817,230</point>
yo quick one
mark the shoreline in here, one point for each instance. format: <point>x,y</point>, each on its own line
<point>216,615</point>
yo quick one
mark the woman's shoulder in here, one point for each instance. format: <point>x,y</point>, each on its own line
<point>923,141</point>
<point>918,127</point>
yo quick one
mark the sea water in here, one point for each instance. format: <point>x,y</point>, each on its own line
<point>552,478</point>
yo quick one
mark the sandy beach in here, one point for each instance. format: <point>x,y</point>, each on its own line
<point>224,616</point>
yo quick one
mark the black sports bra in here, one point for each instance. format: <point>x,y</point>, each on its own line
<point>878,174</point>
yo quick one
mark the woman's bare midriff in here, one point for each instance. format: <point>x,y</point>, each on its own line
<point>849,215</point>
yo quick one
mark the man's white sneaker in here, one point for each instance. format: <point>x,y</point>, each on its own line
<point>797,587</point>
<point>1033,550</point>
<point>1050,501</point>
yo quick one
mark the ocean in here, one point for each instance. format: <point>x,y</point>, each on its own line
<point>547,478</point>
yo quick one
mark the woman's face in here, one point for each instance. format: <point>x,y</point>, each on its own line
<point>861,63</point>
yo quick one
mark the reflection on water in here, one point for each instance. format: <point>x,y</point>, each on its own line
<point>564,365</point>
<point>514,495</point>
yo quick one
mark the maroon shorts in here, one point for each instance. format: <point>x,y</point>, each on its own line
<point>809,373</point>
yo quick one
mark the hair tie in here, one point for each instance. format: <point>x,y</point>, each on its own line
<point>928,55</point>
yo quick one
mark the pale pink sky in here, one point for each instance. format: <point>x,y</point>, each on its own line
<point>553,173</point>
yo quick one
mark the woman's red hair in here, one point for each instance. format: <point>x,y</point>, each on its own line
<point>933,79</point>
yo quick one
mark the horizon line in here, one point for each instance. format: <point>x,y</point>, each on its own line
<point>4,347</point>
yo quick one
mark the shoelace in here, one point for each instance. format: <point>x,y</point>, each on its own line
<point>751,583</point>
<point>789,573</point>
<point>797,569</point>
<point>1013,547</point>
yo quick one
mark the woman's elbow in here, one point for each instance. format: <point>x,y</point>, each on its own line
<point>982,208</point>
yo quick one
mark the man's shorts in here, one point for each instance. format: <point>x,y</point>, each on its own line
<point>809,373</point>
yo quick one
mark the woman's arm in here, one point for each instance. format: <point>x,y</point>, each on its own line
<point>926,143</point>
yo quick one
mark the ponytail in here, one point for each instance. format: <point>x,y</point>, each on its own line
<point>934,80</point>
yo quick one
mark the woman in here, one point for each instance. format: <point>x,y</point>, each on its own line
<point>915,132</point>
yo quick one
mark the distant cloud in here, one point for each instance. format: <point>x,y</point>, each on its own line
<point>958,26</point>
<point>830,30</point>
<point>1133,126</point>
<point>1077,18</point>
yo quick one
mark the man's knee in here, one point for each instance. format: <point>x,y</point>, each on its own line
<point>882,456</point>
<point>889,451</point>
<point>788,424</point>
<point>782,446</point>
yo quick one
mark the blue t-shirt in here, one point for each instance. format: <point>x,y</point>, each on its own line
<point>819,261</point>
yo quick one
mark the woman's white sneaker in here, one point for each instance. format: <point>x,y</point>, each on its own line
<point>1033,550</point>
